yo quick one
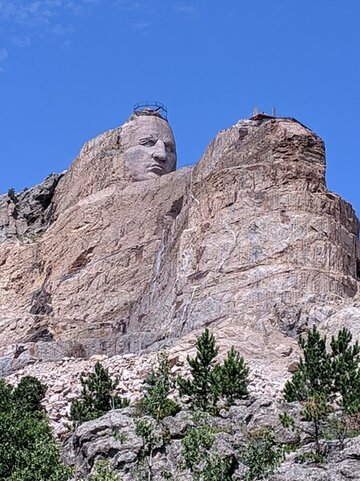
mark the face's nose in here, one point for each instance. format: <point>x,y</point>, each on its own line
<point>159,152</point>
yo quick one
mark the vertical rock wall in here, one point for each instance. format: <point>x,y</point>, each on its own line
<point>247,233</point>
<point>258,229</point>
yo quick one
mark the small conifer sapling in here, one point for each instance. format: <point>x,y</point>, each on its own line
<point>233,377</point>
<point>97,396</point>
<point>157,385</point>
<point>326,382</point>
<point>202,388</point>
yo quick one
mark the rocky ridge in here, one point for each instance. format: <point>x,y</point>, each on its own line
<point>247,238</point>
<point>249,242</point>
<point>113,436</point>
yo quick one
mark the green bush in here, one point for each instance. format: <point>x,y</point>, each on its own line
<point>104,472</point>
<point>97,396</point>
<point>339,427</point>
<point>29,393</point>
<point>28,451</point>
<point>157,384</point>
<point>217,468</point>
<point>262,455</point>
<point>209,381</point>
<point>197,442</point>
<point>154,436</point>
<point>311,457</point>
<point>197,457</point>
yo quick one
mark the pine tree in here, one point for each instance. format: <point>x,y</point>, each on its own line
<point>12,195</point>
<point>29,393</point>
<point>202,388</point>
<point>346,370</point>
<point>97,396</point>
<point>28,451</point>
<point>233,377</point>
<point>157,386</point>
<point>311,384</point>
<point>314,375</point>
<point>326,382</point>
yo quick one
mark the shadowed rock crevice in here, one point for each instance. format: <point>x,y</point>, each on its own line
<point>76,350</point>
<point>26,215</point>
<point>41,303</point>
<point>37,334</point>
<point>81,261</point>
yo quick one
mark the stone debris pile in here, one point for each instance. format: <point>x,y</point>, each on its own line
<point>63,379</point>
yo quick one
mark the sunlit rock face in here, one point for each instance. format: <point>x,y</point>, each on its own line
<point>249,241</point>
<point>143,148</point>
<point>149,146</point>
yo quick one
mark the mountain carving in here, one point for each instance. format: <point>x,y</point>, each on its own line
<point>99,260</point>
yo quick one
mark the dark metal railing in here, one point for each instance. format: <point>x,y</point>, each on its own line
<point>151,107</point>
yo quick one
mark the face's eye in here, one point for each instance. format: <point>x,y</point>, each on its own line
<point>148,141</point>
<point>170,147</point>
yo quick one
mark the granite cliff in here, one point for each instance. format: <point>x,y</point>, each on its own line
<point>249,241</point>
<point>112,261</point>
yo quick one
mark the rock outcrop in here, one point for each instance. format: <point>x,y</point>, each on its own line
<point>340,466</point>
<point>250,239</point>
<point>25,216</point>
<point>113,437</point>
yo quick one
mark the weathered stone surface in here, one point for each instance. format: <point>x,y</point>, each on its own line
<point>249,241</point>
<point>340,466</point>
<point>94,264</point>
<point>26,215</point>
<point>99,439</point>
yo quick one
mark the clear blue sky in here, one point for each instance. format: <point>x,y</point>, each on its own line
<point>71,69</point>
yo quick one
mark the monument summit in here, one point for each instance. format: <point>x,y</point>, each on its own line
<point>123,254</point>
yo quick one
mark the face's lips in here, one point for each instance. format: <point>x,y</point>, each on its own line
<point>156,168</point>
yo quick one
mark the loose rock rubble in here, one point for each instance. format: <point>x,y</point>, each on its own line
<point>63,381</point>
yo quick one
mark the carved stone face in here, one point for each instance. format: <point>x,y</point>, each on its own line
<point>149,146</point>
